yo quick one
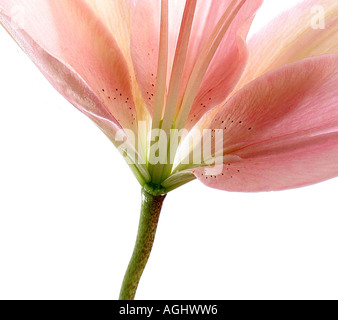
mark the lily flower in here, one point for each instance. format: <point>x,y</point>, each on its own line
<point>169,80</point>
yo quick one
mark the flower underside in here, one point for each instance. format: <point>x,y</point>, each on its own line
<point>172,106</point>
<point>182,94</point>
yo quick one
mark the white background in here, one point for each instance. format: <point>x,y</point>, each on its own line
<point>69,209</point>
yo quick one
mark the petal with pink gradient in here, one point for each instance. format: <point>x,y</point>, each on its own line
<point>145,39</point>
<point>115,14</point>
<point>70,32</point>
<point>230,58</point>
<point>64,79</point>
<point>311,161</point>
<point>227,65</point>
<point>285,122</point>
<point>294,35</point>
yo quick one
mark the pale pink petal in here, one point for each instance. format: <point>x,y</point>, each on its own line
<point>286,122</point>
<point>68,83</point>
<point>115,14</point>
<point>145,36</point>
<point>227,65</point>
<point>70,32</point>
<point>312,160</point>
<point>294,35</point>
<point>145,42</point>
<point>230,59</point>
<point>75,90</point>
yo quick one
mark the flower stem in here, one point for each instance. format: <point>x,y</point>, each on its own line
<point>150,213</point>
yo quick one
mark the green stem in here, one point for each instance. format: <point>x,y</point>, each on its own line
<point>150,213</point>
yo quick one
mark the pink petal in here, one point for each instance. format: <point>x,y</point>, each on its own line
<point>309,162</point>
<point>293,36</point>
<point>230,59</point>
<point>69,32</point>
<point>115,14</point>
<point>283,127</point>
<point>145,36</point>
<point>67,82</point>
<point>227,65</point>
